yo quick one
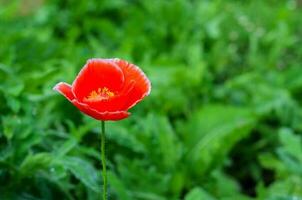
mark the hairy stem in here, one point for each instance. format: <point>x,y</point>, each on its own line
<point>104,172</point>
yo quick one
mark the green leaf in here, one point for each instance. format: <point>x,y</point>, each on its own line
<point>213,132</point>
<point>198,194</point>
<point>123,136</point>
<point>291,142</point>
<point>118,187</point>
<point>83,171</point>
<point>288,188</point>
<point>168,143</point>
<point>66,147</point>
<point>160,140</point>
<point>36,162</point>
<point>8,126</point>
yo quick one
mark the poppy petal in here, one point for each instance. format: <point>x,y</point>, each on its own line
<point>96,74</point>
<point>65,90</point>
<point>142,85</point>
<point>115,103</point>
<point>114,116</point>
<point>106,88</point>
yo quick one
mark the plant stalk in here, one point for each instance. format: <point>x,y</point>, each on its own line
<point>104,172</point>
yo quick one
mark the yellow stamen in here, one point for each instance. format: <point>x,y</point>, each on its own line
<point>100,94</point>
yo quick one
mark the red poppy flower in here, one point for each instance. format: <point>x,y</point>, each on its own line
<point>106,89</point>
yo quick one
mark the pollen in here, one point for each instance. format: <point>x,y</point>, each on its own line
<point>99,94</point>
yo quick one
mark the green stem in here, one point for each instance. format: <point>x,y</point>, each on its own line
<point>104,172</point>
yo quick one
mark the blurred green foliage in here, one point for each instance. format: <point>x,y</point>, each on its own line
<point>223,121</point>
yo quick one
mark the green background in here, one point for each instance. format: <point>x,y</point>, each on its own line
<point>223,121</point>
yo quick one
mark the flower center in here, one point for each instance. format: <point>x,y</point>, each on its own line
<point>100,94</point>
